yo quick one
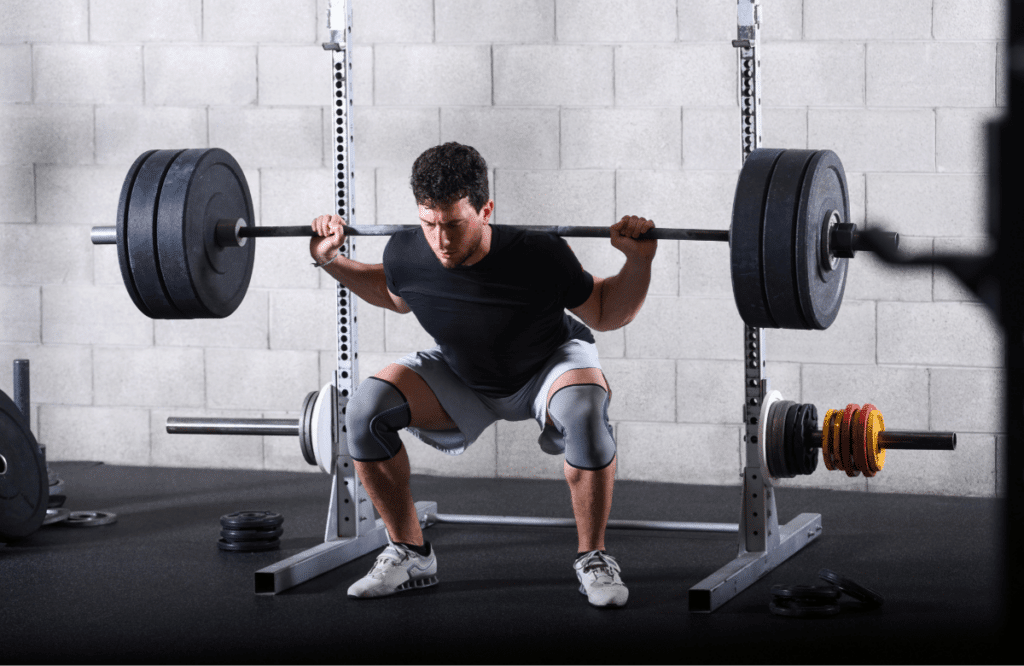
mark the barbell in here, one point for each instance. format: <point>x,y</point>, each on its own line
<point>186,239</point>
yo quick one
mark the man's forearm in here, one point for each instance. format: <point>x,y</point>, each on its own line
<point>623,294</point>
<point>366,281</point>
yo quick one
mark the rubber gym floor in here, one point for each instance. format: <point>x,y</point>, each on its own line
<point>154,588</point>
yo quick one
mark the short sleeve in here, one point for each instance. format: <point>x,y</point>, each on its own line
<point>579,284</point>
<point>391,266</point>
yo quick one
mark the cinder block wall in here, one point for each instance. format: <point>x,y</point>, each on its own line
<point>586,110</point>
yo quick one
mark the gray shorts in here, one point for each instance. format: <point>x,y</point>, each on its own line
<point>472,411</point>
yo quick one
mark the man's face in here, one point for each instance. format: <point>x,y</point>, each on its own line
<point>455,232</point>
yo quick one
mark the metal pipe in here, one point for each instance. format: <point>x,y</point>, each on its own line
<point>103,235</point>
<point>22,391</point>
<point>911,440</point>
<point>217,426</point>
<point>526,521</point>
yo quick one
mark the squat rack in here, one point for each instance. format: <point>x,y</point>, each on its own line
<point>352,530</point>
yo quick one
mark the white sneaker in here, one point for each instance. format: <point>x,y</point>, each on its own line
<point>598,573</point>
<point>397,569</point>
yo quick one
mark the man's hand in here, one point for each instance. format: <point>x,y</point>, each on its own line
<point>326,244</point>
<point>624,233</point>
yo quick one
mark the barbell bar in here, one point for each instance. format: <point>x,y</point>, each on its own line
<point>185,216</point>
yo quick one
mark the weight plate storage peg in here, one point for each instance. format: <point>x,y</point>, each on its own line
<point>24,485</point>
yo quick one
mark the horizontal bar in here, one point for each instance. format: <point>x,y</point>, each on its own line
<point>659,233</point>
<point>177,425</point>
<point>912,440</point>
<point>526,521</point>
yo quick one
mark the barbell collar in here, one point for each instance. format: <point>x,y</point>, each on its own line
<point>177,425</point>
<point>911,440</point>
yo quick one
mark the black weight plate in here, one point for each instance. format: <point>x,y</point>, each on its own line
<point>56,515</point>
<point>824,190</point>
<point>142,236</point>
<point>812,444</point>
<point>776,438</point>
<point>306,427</point>
<point>745,236</point>
<point>251,520</point>
<point>847,586</point>
<point>791,440</point>
<point>251,535</point>
<point>790,609</point>
<point>204,279</point>
<point>122,232</point>
<point>24,486</point>
<point>90,519</point>
<point>806,594</point>
<point>781,220</point>
<point>248,546</point>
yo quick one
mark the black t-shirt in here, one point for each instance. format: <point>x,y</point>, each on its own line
<point>498,321</point>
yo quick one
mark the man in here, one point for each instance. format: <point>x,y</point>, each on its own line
<point>494,299</point>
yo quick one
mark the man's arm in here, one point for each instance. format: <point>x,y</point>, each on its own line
<point>367,281</point>
<point>617,300</point>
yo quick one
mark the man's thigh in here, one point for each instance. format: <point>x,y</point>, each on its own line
<point>424,409</point>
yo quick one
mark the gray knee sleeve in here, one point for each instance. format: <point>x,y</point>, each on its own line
<point>580,412</point>
<point>373,418</point>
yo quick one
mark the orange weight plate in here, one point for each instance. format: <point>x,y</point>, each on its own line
<point>859,439</point>
<point>876,454</point>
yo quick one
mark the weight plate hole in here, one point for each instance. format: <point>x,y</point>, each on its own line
<point>3,465</point>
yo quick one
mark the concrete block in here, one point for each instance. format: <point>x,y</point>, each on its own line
<point>706,21</point>
<point>58,374</point>
<point>687,328</point>
<point>947,287</point>
<point>294,76</point>
<point>869,19</point>
<point>679,453</point>
<point>207,451</point>
<point>962,139</point>
<point>501,21</point>
<point>875,140</point>
<point>900,393</point>
<point>928,204</point>
<point>566,197</point>
<point>610,21</point>
<point>709,139</point>
<point>963,19</point>
<point>368,250</point>
<point>88,74</point>
<point>370,320</point>
<point>611,344</point>
<point>709,391</point>
<point>621,138</point>
<point>508,138</point>
<point>931,74</point>
<point>280,137</point>
<point>370,363</point>
<point>391,21</point>
<point>970,471</point>
<point>782,128</point>
<point>602,260</point>
<point>542,75</point>
<point>956,334</point>
<point>16,73</point>
<point>284,263</point>
<point>260,21</point>
<point>106,269</point>
<point>17,193</point>
<point>967,400</point>
<point>361,65</point>
<point>786,378</point>
<point>784,20</point>
<point>125,132</point>
<point>687,199</point>
<point>257,379</point>
<point>869,278</point>
<point>246,328</point>
<point>853,332</point>
<point>21,314</point>
<point>27,250</point>
<point>1002,466</point>
<point>190,75</point>
<point>390,137</point>
<point>81,314</point>
<point>303,319</point>
<point>113,435</point>
<point>156,21</point>
<point>403,333</point>
<point>395,202</point>
<point>295,196</point>
<point>813,74</point>
<point>421,75</point>
<point>1002,77</point>
<point>520,457</point>
<point>642,390</point>
<point>478,461</point>
<point>165,376</point>
<point>81,195</point>
<point>857,183</point>
<point>46,134</point>
<point>681,75</point>
<point>46,21</point>
<point>704,270</point>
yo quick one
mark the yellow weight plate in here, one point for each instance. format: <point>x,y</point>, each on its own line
<point>859,439</point>
<point>826,440</point>
<point>876,454</point>
<point>837,425</point>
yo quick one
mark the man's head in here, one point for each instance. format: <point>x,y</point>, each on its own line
<point>450,186</point>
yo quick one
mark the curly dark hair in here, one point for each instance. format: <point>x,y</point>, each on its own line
<point>444,174</point>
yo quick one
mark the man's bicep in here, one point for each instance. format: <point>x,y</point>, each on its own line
<point>590,310</point>
<point>401,306</point>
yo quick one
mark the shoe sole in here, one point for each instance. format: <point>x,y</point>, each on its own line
<point>412,584</point>
<point>583,591</point>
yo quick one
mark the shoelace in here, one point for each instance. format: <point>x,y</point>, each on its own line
<point>601,563</point>
<point>390,556</point>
